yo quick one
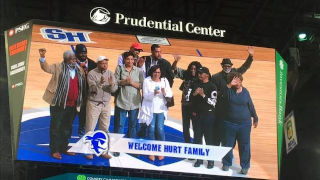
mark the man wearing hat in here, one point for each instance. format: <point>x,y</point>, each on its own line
<point>135,48</point>
<point>220,80</point>
<point>203,99</point>
<point>101,82</point>
<point>87,65</point>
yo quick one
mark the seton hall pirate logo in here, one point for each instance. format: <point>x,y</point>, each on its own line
<point>99,142</point>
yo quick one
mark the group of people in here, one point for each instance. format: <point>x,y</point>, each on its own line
<point>219,107</point>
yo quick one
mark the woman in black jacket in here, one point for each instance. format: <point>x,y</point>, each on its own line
<point>189,77</point>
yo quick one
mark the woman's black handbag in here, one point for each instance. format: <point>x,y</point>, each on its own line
<point>170,101</point>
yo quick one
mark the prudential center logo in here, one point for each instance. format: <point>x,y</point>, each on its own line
<point>100,15</point>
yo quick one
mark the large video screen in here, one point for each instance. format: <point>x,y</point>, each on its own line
<point>172,148</point>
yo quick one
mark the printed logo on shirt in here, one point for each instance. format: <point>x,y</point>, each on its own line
<point>213,98</point>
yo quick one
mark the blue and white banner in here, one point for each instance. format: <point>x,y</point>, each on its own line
<point>90,143</point>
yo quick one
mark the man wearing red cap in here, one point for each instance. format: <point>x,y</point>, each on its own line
<point>135,48</point>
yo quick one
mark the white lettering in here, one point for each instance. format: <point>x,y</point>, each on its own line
<point>188,27</point>
<point>22,28</point>
<point>143,22</point>
<point>158,25</point>
<point>216,32</point>
<point>181,24</point>
<point>16,71</point>
<point>119,17</point>
<point>169,26</point>
<point>150,24</point>
<point>222,33</point>
<point>197,30</point>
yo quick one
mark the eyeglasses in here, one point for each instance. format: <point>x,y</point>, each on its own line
<point>157,72</point>
<point>139,50</point>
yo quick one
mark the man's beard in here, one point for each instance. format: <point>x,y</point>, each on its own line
<point>227,70</point>
<point>72,66</point>
<point>82,59</point>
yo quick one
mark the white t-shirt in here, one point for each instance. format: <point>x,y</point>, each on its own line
<point>158,99</point>
<point>153,103</point>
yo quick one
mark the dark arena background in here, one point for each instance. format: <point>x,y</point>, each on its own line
<point>272,24</point>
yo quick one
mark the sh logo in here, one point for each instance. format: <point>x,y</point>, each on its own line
<point>99,142</point>
<point>63,36</point>
<point>100,15</point>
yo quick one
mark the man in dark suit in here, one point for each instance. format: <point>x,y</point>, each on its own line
<point>87,65</point>
<point>156,58</point>
<point>220,80</point>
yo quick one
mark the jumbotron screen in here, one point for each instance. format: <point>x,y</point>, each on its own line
<point>212,118</point>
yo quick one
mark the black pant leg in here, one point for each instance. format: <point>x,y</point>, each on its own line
<point>186,117</point>
<point>66,127</point>
<point>197,130</point>
<point>208,120</point>
<point>217,131</point>
<point>82,118</point>
<point>55,123</point>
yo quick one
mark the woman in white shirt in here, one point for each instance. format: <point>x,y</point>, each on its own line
<point>154,110</point>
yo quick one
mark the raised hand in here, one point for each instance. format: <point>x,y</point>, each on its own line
<point>176,57</point>
<point>235,81</point>
<point>175,62</point>
<point>42,52</point>
<point>251,50</point>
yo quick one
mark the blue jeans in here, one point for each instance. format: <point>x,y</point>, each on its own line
<point>132,117</point>
<point>241,133</point>
<point>156,127</point>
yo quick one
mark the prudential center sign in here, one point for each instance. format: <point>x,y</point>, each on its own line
<point>100,15</point>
